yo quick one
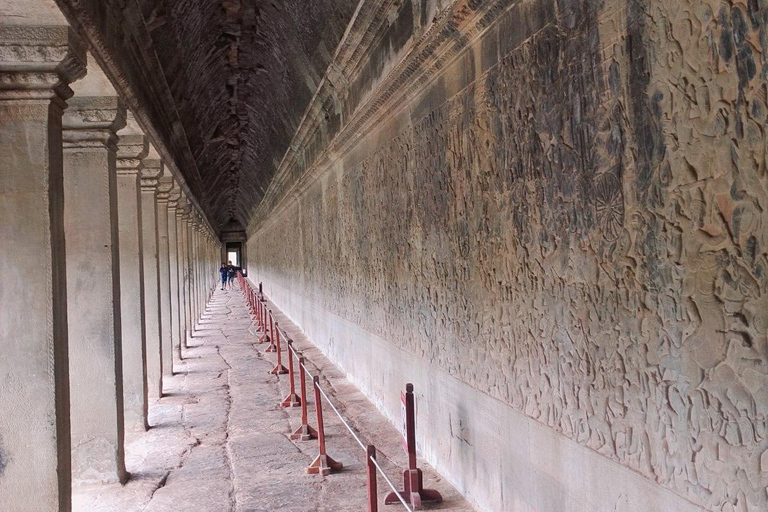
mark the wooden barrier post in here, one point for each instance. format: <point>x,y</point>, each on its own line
<point>304,432</point>
<point>279,369</point>
<point>373,494</point>
<point>292,400</point>
<point>271,347</point>
<point>323,463</point>
<point>413,483</point>
<point>265,332</point>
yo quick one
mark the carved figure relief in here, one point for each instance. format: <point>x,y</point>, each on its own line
<point>580,233</point>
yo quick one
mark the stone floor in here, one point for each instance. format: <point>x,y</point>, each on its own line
<point>219,440</point>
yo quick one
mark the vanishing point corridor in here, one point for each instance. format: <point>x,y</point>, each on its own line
<point>219,439</point>
<point>521,247</point>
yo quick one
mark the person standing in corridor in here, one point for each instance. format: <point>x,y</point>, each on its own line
<point>224,272</point>
<point>231,273</point>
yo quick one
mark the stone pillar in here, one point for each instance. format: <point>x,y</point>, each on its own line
<point>173,260</point>
<point>166,325</point>
<point>132,147</point>
<point>187,273</point>
<point>196,267</point>
<point>192,272</point>
<point>93,294</point>
<point>36,64</point>
<point>182,263</point>
<point>153,169</point>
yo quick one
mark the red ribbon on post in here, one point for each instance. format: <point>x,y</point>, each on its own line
<point>292,400</point>
<point>323,463</point>
<point>304,432</point>
<point>413,482</point>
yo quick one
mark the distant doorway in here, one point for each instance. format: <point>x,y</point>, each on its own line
<point>234,253</point>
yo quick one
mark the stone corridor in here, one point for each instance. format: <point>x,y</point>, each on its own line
<point>218,438</point>
<point>548,216</point>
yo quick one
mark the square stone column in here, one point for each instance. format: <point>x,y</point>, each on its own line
<point>91,122</point>
<point>173,260</point>
<point>166,326</point>
<point>187,242</point>
<point>195,267</point>
<point>182,266</point>
<point>153,169</point>
<point>36,65</point>
<point>132,148</point>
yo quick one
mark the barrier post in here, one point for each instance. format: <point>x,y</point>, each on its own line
<point>323,463</point>
<point>265,335</point>
<point>271,347</point>
<point>413,483</point>
<point>292,400</point>
<point>279,369</point>
<point>373,494</point>
<point>304,432</point>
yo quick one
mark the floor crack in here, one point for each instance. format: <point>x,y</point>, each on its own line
<point>227,445</point>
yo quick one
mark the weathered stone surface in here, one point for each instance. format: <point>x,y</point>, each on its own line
<point>150,174</point>
<point>36,65</point>
<point>568,217</point>
<point>219,438</point>
<point>164,264</point>
<point>173,257</point>
<point>132,148</point>
<point>91,121</point>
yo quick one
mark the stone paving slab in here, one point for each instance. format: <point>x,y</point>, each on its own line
<point>219,439</point>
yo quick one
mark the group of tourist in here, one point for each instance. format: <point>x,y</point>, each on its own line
<point>228,272</point>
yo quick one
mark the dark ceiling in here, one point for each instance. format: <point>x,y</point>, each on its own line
<point>242,73</point>
<point>236,78</point>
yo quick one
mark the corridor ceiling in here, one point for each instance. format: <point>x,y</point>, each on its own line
<point>225,82</point>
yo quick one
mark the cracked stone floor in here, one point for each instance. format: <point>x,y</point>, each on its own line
<point>219,441</point>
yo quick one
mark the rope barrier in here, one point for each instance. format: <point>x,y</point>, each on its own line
<point>341,418</point>
<point>389,482</point>
<point>323,463</point>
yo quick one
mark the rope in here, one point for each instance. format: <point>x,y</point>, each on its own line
<point>341,418</point>
<point>354,435</point>
<point>391,485</point>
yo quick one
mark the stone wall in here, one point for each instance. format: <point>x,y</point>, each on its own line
<point>560,238</point>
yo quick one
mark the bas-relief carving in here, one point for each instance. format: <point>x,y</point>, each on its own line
<point>580,233</point>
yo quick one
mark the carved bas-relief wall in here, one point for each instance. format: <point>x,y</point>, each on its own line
<point>563,241</point>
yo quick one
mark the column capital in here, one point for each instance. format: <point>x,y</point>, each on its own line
<point>164,188</point>
<point>174,196</point>
<point>95,113</point>
<point>132,147</point>
<point>152,171</point>
<point>186,211</point>
<point>89,122</point>
<point>181,206</point>
<point>150,178</point>
<point>39,62</point>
